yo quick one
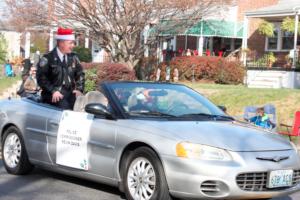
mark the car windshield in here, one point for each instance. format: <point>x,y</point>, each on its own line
<point>164,100</point>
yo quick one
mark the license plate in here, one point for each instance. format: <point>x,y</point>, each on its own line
<point>280,178</point>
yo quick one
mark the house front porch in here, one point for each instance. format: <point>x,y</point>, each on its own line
<point>272,60</point>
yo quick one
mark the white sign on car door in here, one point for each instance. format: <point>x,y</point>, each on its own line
<point>72,139</point>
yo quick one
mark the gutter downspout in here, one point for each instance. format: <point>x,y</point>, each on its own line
<point>201,39</point>
<point>295,38</point>
<point>295,57</point>
<point>27,44</point>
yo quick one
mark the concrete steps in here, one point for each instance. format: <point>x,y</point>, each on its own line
<point>265,79</point>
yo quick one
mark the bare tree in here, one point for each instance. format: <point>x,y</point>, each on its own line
<point>23,14</point>
<point>116,25</point>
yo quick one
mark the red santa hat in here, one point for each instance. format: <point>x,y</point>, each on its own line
<point>64,34</point>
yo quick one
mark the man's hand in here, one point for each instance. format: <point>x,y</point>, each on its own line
<point>77,93</point>
<point>57,96</point>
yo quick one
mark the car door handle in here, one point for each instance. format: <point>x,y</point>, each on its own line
<point>54,123</point>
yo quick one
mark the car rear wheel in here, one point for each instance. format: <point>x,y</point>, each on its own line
<point>14,154</point>
<point>144,177</point>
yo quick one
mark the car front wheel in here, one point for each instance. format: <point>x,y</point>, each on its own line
<point>144,178</point>
<point>14,154</point>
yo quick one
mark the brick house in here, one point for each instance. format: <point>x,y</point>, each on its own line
<point>13,41</point>
<point>284,73</point>
<point>283,41</point>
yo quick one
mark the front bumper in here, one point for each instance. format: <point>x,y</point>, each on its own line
<point>197,179</point>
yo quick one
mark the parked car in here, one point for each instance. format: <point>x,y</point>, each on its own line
<point>154,141</point>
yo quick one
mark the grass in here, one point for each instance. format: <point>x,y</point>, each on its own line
<point>6,82</point>
<point>236,97</point>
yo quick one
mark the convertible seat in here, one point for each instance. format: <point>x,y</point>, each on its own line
<point>79,104</point>
<point>95,97</point>
<point>90,97</point>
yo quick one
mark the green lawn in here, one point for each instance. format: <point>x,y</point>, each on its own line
<point>235,98</point>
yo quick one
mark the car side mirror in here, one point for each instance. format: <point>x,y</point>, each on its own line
<point>223,108</point>
<point>98,109</point>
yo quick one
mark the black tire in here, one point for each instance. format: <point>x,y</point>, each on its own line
<point>161,190</point>
<point>23,166</point>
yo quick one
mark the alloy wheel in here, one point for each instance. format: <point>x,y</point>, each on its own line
<point>12,150</point>
<point>141,179</point>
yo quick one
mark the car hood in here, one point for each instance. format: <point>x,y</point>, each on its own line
<point>233,136</point>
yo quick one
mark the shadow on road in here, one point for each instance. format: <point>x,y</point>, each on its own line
<point>46,182</point>
<point>81,182</point>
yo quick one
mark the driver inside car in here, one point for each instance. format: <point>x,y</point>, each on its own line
<point>144,102</point>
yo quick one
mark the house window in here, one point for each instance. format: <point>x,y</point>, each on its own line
<point>272,42</point>
<point>282,40</point>
<point>287,40</point>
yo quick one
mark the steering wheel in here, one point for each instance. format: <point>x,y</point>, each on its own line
<point>177,107</point>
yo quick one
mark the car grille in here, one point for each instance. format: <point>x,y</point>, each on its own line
<point>257,181</point>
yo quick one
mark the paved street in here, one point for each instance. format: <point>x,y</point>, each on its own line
<point>41,184</point>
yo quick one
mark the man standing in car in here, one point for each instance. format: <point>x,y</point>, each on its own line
<point>60,73</point>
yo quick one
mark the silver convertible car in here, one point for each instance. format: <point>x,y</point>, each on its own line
<point>154,141</point>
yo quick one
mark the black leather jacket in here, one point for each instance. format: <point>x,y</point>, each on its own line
<point>51,73</point>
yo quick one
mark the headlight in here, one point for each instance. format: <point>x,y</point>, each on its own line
<point>203,152</point>
<point>294,146</point>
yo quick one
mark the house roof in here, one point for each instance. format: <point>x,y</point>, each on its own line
<point>283,8</point>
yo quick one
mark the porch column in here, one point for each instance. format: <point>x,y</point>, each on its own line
<point>27,45</point>
<point>51,40</point>
<point>158,50</point>
<point>200,45</point>
<point>174,43</point>
<point>232,44</point>
<point>86,39</point>
<point>201,41</point>
<point>211,45</point>
<point>295,39</point>
<point>245,41</point>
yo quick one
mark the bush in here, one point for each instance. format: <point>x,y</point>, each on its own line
<point>90,79</point>
<point>87,66</point>
<point>84,54</point>
<point>266,28</point>
<point>210,68</point>
<point>114,72</point>
<point>3,48</point>
<point>96,73</point>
